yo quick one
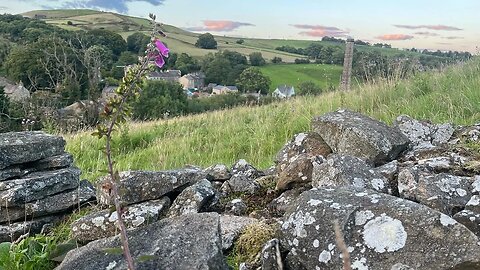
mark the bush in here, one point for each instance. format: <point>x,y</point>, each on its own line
<point>277,60</point>
<point>240,41</point>
<point>69,23</point>
<point>309,88</point>
<point>302,61</point>
<point>256,59</point>
<point>206,41</point>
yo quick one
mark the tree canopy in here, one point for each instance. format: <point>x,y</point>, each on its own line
<point>206,41</point>
<point>252,80</point>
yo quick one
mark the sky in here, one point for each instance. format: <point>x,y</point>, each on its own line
<point>423,24</point>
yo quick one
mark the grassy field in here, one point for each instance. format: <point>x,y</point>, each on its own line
<point>258,133</point>
<point>324,76</point>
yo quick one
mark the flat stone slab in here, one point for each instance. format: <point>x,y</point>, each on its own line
<point>231,227</point>
<point>28,146</point>
<point>9,233</point>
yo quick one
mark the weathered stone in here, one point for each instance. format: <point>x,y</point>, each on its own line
<point>267,181</point>
<point>443,192</point>
<point>476,185</point>
<point>193,199</point>
<point>243,179</point>
<point>19,170</point>
<point>37,186</point>
<point>437,164</point>
<point>236,207</point>
<point>271,257</point>
<point>231,227</point>
<point>469,219</point>
<point>191,241</point>
<point>28,146</point>
<point>12,172</point>
<point>473,204</point>
<point>280,204</point>
<point>308,144</point>
<point>389,170</point>
<point>218,172</point>
<point>50,205</point>
<point>380,231</point>
<point>139,186</point>
<point>422,134</point>
<point>351,133</point>
<point>298,171</point>
<point>340,170</point>
<point>10,232</point>
<point>104,223</point>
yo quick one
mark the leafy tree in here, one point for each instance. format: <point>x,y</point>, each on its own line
<point>240,41</point>
<point>206,41</point>
<point>137,42</point>
<point>277,60</point>
<point>252,80</point>
<point>97,57</point>
<point>186,64</point>
<point>158,99</point>
<point>256,59</point>
<point>223,67</point>
<point>309,88</point>
<point>218,71</point>
<point>113,41</point>
<point>126,58</point>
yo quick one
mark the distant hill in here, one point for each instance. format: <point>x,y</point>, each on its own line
<point>180,41</point>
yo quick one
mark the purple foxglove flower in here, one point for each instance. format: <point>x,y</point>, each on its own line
<point>159,61</point>
<point>162,48</point>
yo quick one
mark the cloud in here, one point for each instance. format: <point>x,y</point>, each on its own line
<point>111,5</point>
<point>219,26</point>
<point>451,38</point>
<point>395,37</point>
<point>427,34</point>
<point>321,31</point>
<point>430,27</point>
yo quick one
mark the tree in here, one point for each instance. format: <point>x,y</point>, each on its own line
<point>186,64</point>
<point>252,80</point>
<point>126,58</point>
<point>223,67</point>
<point>160,98</point>
<point>137,42</point>
<point>256,59</point>
<point>113,41</point>
<point>309,88</point>
<point>97,57</point>
<point>240,41</point>
<point>206,41</point>
<point>277,60</point>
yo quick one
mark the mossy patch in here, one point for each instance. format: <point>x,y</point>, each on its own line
<point>250,242</point>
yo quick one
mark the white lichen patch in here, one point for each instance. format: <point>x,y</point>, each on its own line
<point>331,247</point>
<point>313,202</point>
<point>316,243</point>
<point>335,206</point>
<point>474,201</point>
<point>324,257</point>
<point>111,265</point>
<point>384,234</point>
<point>298,221</point>
<point>378,184</point>
<point>361,194</point>
<point>461,192</point>
<point>98,221</point>
<point>360,264</point>
<point>446,220</point>
<point>374,198</point>
<point>476,185</point>
<point>299,139</point>
<point>361,217</point>
<point>138,221</point>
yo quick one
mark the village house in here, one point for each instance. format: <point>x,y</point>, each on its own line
<point>221,90</point>
<point>14,92</point>
<point>168,75</point>
<point>193,80</point>
<point>284,91</point>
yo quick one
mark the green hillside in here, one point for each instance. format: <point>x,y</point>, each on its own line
<point>181,41</point>
<point>257,133</point>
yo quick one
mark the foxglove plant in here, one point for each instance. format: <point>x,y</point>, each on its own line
<point>116,111</point>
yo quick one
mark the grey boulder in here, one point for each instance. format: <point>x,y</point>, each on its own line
<point>231,227</point>
<point>423,134</point>
<point>192,199</point>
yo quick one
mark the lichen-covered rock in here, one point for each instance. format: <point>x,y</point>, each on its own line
<point>50,205</point>
<point>352,133</point>
<point>271,257</point>
<point>298,171</point>
<point>218,172</point>
<point>231,227</point>
<point>476,185</point>
<point>473,204</point>
<point>192,199</point>
<point>423,134</point>
<point>389,170</point>
<point>343,170</point>
<point>308,144</point>
<point>187,242</point>
<point>140,186</point>
<point>236,207</point>
<point>37,186</point>
<point>280,204</point>
<point>28,146</point>
<point>469,219</point>
<point>49,163</point>
<point>104,223</point>
<point>380,231</point>
<point>10,232</point>
<point>443,192</point>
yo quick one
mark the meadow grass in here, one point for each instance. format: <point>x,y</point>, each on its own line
<point>257,133</point>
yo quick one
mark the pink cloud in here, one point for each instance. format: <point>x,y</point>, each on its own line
<point>430,27</point>
<point>219,26</point>
<point>395,37</point>
<point>453,37</point>
<point>427,34</point>
<point>321,31</point>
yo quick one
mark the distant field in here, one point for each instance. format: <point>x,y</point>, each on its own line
<point>293,74</point>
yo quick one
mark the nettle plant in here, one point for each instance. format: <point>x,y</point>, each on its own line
<point>118,109</point>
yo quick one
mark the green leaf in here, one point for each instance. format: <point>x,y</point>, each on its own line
<point>113,251</point>
<point>58,254</point>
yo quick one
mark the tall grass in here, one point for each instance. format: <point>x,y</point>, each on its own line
<point>257,133</point>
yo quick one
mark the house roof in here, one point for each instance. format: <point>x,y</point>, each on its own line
<point>195,76</point>
<point>286,90</point>
<point>165,74</point>
<point>229,87</point>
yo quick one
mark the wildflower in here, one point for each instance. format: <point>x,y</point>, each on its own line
<point>159,54</point>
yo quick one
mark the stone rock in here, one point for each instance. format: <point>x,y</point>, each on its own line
<point>308,144</point>
<point>470,134</point>
<point>236,207</point>
<point>104,223</point>
<point>389,170</point>
<point>28,146</point>
<point>423,134</point>
<point>190,241</point>
<point>12,172</point>
<point>10,232</point>
<point>271,257</point>
<point>267,181</point>
<point>476,185</point>
<point>379,230</point>
<point>272,170</point>
<point>469,219</point>
<point>231,227</point>
<point>243,179</point>
<point>298,171</point>
<point>343,170</point>
<point>351,133</point>
<point>140,186</point>
<point>442,192</point>
<point>437,164</point>
<point>280,204</point>
<point>218,172</point>
<point>50,205</point>
<point>37,186</point>
<point>473,204</point>
<point>19,170</point>
<point>192,199</point>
